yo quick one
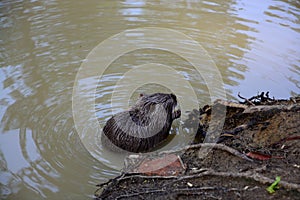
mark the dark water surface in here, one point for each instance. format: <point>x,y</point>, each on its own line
<point>255,46</point>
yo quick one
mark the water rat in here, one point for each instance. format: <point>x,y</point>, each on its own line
<point>145,125</point>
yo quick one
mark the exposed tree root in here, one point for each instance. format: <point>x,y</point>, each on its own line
<point>251,174</point>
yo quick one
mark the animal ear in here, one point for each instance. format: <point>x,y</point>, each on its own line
<point>173,96</point>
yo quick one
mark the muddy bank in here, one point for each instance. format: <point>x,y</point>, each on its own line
<point>259,141</point>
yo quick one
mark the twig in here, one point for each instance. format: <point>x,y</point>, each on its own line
<point>246,100</point>
<point>261,98</point>
<point>249,175</point>
<point>221,147</point>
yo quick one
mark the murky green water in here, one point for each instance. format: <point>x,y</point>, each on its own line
<point>254,44</point>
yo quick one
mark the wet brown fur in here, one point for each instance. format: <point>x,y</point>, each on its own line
<point>143,126</point>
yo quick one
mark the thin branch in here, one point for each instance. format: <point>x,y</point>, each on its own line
<point>246,100</point>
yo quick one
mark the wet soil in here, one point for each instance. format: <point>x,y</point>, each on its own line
<point>259,141</point>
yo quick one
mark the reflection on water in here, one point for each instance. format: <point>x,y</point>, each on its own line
<point>255,45</point>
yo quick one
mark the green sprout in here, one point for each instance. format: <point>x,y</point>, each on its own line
<point>271,188</point>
